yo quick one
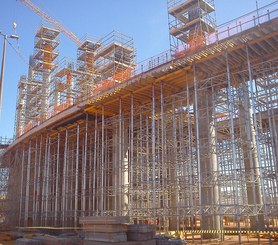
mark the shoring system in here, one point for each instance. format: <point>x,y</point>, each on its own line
<point>187,140</point>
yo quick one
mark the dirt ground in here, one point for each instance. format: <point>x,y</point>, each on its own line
<point>6,239</point>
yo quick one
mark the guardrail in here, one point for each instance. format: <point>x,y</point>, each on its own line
<point>245,22</point>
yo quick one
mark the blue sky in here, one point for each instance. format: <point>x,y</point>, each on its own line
<point>145,20</point>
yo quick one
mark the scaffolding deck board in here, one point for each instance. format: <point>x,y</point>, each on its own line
<point>113,48</point>
<point>189,5</point>
<point>89,46</point>
<point>41,42</point>
<point>47,32</point>
<point>191,26</point>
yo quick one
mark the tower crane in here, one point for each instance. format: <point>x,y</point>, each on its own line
<point>51,21</point>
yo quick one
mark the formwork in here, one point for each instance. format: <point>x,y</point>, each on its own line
<point>188,142</point>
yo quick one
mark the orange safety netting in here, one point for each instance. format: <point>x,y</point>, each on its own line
<point>35,122</point>
<point>193,45</point>
<point>62,106</point>
<point>119,77</point>
<point>122,76</point>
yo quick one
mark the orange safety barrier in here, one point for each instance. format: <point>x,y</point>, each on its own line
<point>62,106</point>
<point>122,76</point>
<point>197,42</point>
<point>220,115</point>
<point>194,44</point>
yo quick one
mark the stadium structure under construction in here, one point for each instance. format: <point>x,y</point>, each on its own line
<point>187,140</point>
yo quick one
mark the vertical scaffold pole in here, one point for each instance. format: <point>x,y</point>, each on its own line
<point>90,174</point>
<point>47,180</point>
<point>231,116</point>
<point>44,183</point>
<point>76,176</point>
<point>84,168</point>
<point>38,189</point>
<point>131,158</point>
<point>35,181</point>
<point>27,192</point>
<point>197,138</point>
<point>94,207</point>
<point>56,207</point>
<point>256,153</point>
<point>153,155</point>
<point>22,186</point>
<point>102,169</point>
<point>190,162</point>
<point>163,152</point>
<point>64,189</point>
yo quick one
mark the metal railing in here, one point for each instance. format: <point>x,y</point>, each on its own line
<point>243,23</point>
<point>5,141</point>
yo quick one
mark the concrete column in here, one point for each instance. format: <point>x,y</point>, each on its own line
<point>251,164</point>
<point>124,173</point>
<point>115,170</point>
<point>210,220</point>
<point>173,188</point>
<point>120,176</point>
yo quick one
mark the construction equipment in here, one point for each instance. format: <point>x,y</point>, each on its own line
<point>51,21</point>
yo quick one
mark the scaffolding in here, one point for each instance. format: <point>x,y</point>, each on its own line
<point>179,160</point>
<point>34,91</point>
<point>46,43</point>
<point>86,67</point>
<point>190,23</point>
<point>115,60</point>
<point>20,119</point>
<point>6,202</point>
<point>189,145</point>
<point>62,87</point>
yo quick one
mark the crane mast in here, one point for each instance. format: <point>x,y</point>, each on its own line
<point>51,21</point>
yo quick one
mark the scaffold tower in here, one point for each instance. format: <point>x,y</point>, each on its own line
<point>86,70</point>
<point>20,119</point>
<point>190,21</point>
<point>45,53</point>
<point>115,59</point>
<point>62,91</point>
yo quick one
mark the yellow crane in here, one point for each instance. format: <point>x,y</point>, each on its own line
<point>51,21</point>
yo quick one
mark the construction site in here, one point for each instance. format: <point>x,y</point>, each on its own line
<point>186,141</point>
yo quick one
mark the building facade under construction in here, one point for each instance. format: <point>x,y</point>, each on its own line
<point>187,140</point>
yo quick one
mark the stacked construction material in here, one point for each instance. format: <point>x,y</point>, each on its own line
<point>162,239</point>
<point>48,240</point>
<point>116,231</point>
<point>140,232</point>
